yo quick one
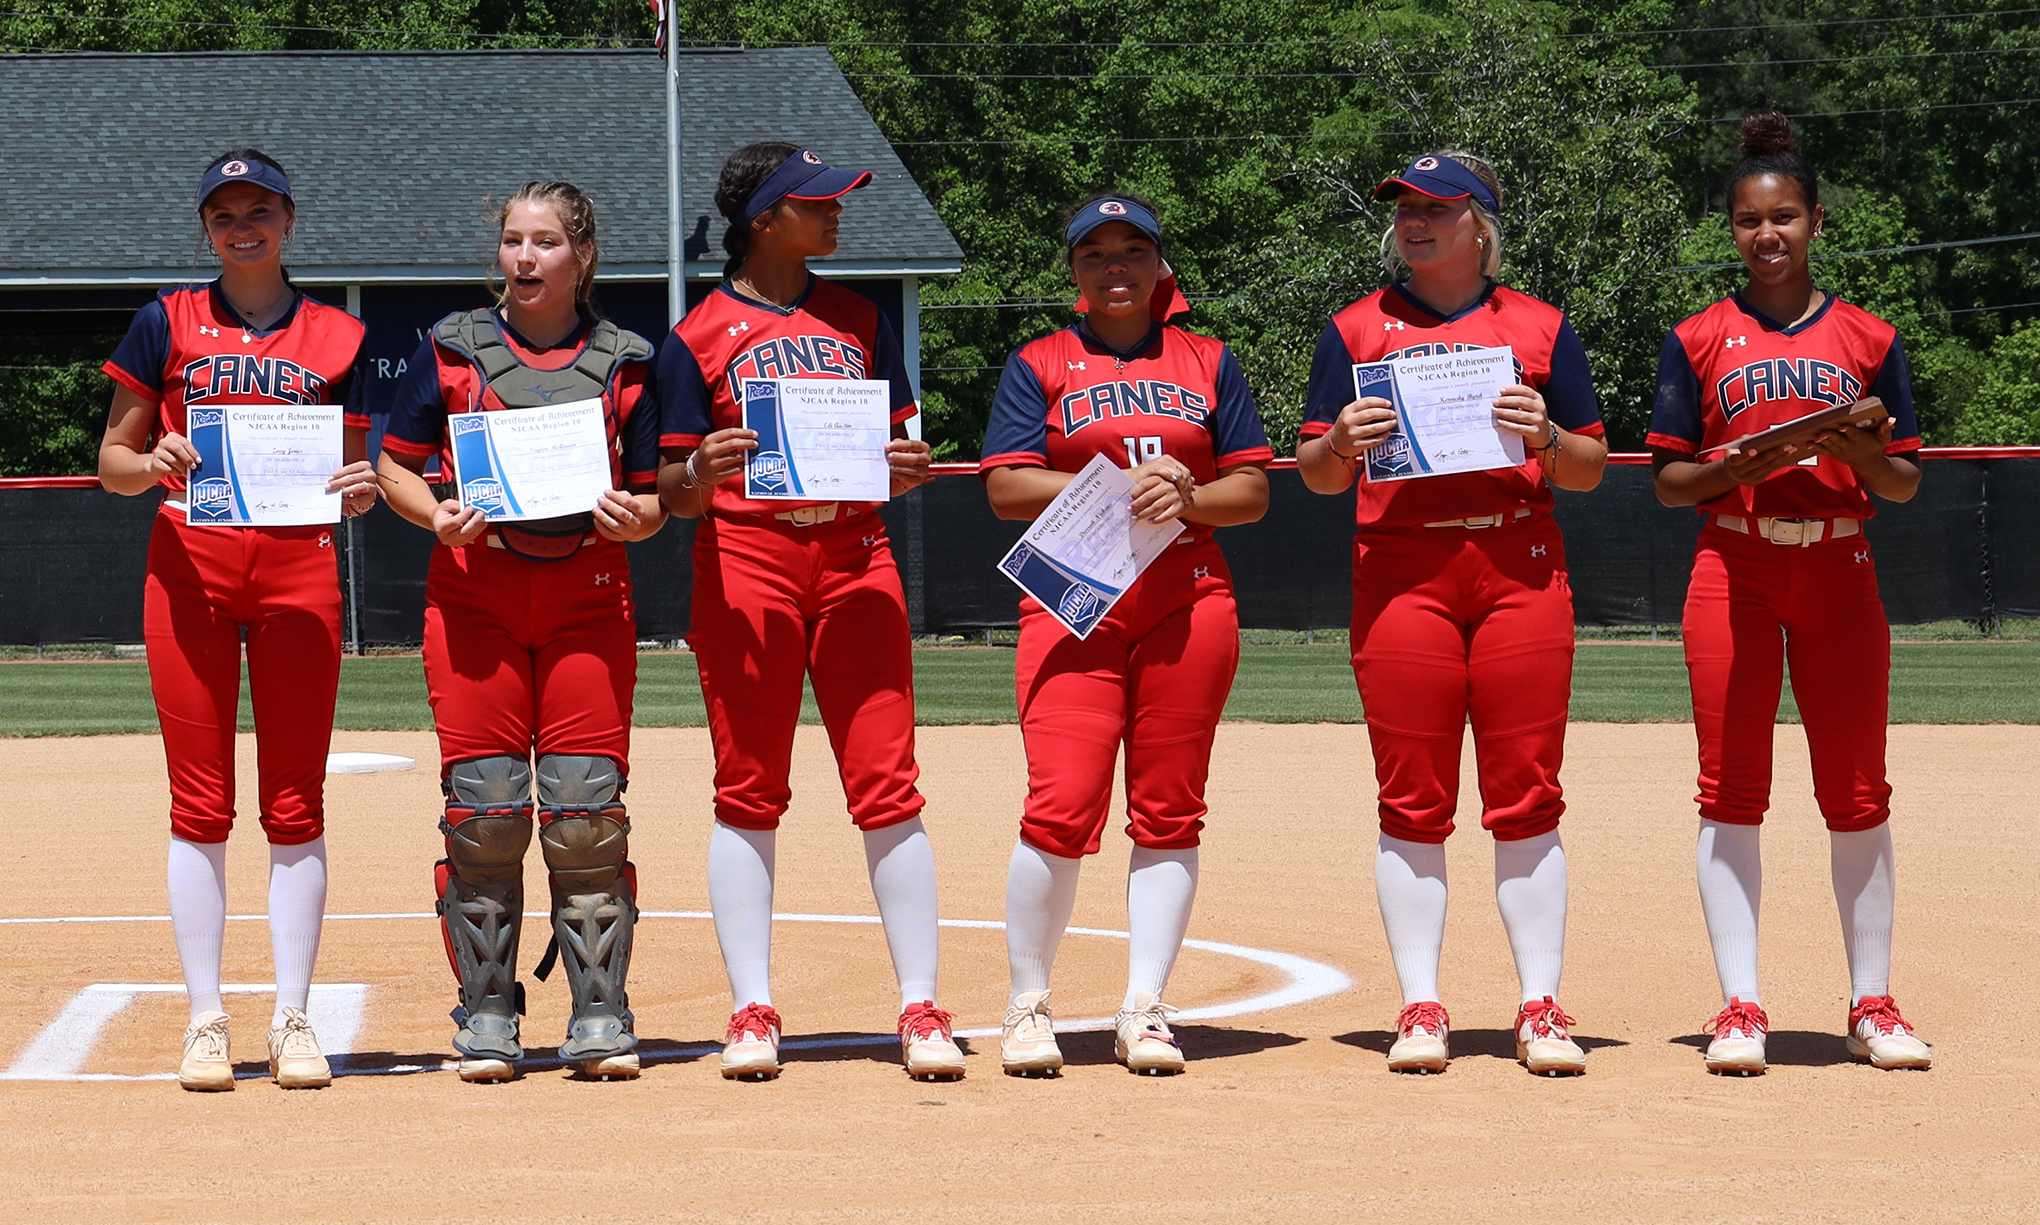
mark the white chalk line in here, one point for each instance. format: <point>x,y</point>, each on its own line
<point>59,1052</point>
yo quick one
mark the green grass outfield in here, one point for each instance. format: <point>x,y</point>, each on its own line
<point>1932,682</point>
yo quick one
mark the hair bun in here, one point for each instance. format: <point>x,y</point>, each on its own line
<point>1765,133</point>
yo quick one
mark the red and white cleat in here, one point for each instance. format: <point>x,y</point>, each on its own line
<point>1543,1044</point>
<point>751,1046</point>
<point>1881,1038</point>
<point>1738,1046</point>
<point>927,1044</point>
<point>1421,1032</point>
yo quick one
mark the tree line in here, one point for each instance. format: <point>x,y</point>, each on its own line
<point>1260,127</point>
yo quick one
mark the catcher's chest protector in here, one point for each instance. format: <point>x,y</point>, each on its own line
<point>512,384</point>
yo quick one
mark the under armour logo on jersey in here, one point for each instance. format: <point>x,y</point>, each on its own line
<point>1394,325</point>
<point>1201,572</point>
<point>602,580</point>
<point>869,541</point>
<point>741,325</point>
<point>1074,365</point>
<point>1862,555</point>
<point>325,540</point>
<point>1733,341</point>
<point>203,330</point>
<point>1536,550</point>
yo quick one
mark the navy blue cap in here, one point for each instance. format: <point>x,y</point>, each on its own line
<point>803,176</point>
<point>1440,178</point>
<point>1111,208</point>
<point>236,170</point>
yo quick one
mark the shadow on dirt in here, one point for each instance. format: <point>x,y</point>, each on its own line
<point>1796,1048</point>
<point>1467,1043</point>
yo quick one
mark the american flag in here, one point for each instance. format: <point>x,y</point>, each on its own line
<point>659,27</point>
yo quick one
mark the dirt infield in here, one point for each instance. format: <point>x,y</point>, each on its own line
<point>1283,1114</point>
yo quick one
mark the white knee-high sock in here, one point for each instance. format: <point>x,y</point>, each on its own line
<point>902,868</point>
<point>1160,888</point>
<point>1409,883</point>
<point>1041,891</point>
<point>1866,889</point>
<point>1530,889</point>
<point>198,917</point>
<point>297,910</point>
<point>1731,869</point>
<point>740,867</point>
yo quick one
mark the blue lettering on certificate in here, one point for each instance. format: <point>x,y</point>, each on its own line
<point>1780,378</point>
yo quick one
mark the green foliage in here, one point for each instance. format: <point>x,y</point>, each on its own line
<point>51,417</point>
<point>1258,128</point>
<point>2005,408</point>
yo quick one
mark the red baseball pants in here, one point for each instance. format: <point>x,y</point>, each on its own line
<point>204,586</point>
<point>1752,606</point>
<point>1154,675</point>
<point>1451,623</point>
<point>773,602</point>
<point>524,656</point>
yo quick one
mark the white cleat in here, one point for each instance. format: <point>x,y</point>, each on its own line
<point>1544,1042</point>
<point>751,1045</point>
<point>295,1060</point>
<point>1421,1033</point>
<point>927,1044</point>
<point>207,1067</point>
<point>1027,1041</point>
<point>1881,1038</point>
<point>1145,1043</point>
<point>612,1067</point>
<point>1738,1045</point>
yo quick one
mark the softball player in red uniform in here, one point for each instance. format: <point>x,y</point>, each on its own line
<point>1172,408</point>
<point>1783,571</point>
<point>1461,607</point>
<point>248,337</point>
<point>785,589</point>
<point>531,643</point>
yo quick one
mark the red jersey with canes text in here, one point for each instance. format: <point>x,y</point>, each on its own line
<point>1392,323</point>
<point>1729,371</point>
<point>190,346</point>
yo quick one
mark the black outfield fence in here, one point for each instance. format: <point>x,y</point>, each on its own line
<point>1965,549</point>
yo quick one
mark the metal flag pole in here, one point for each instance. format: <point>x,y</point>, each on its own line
<point>676,265</point>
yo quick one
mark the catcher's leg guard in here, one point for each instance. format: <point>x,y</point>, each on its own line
<point>481,906</point>
<point>585,837</point>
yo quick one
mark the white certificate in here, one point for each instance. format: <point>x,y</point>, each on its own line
<point>1445,413</point>
<point>531,463</point>
<point>264,465</point>
<point>819,440</point>
<point>1086,549</point>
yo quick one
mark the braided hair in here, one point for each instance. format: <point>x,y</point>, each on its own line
<point>743,173</point>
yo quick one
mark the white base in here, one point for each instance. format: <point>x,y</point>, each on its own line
<point>366,763</point>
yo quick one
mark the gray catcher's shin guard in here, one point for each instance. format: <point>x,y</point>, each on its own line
<point>585,837</point>
<point>481,898</point>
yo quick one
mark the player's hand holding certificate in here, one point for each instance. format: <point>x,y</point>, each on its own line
<point>1445,413</point>
<point>1086,549</point>
<point>264,465</point>
<point>531,463</point>
<point>818,439</point>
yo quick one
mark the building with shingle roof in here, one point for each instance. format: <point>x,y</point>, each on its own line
<point>394,156</point>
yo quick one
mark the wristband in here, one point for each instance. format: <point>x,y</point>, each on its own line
<point>1327,437</point>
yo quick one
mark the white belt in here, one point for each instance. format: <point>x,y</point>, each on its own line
<point>1479,521</point>
<point>1801,532</point>
<point>827,512</point>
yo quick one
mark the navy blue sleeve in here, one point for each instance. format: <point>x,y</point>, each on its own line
<point>640,439</point>
<point>1569,392</point>
<point>889,362</point>
<point>142,352</point>
<point>417,422</point>
<point>1675,421</point>
<point>1019,426</point>
<point>1894,387</point>
<point>352,393</point>
<point>684,417</point>
<point>1331,380</point>
<point>1237,435</point>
